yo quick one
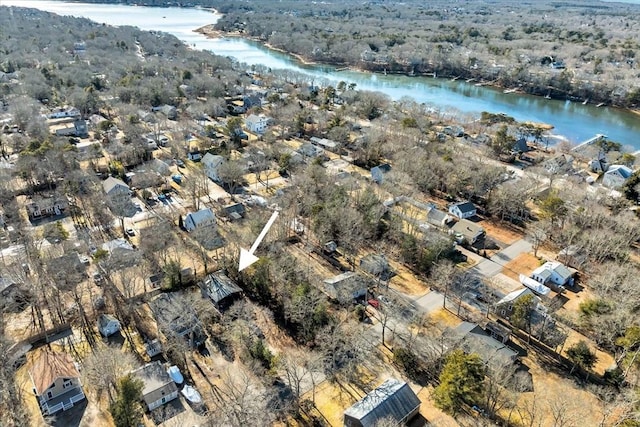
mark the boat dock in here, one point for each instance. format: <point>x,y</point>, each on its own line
<point>599,137</point>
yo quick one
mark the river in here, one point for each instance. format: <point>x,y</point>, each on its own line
<point>573,121</point>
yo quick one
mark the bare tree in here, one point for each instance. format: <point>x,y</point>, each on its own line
<point>102,369</point>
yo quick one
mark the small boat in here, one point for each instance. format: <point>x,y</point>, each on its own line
<point>600,105</point>
<point>509,90</point>
<point>191,394</point>
<point>547,96</point>
<point>586,101</point>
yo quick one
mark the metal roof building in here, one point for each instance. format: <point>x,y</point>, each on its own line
<point>392,399</point>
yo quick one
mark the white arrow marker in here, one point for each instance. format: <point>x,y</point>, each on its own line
<point>246,256</point>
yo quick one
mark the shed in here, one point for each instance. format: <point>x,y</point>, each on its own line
<point>108,325</point>
<point>393,398</point>
<point>378,172</point>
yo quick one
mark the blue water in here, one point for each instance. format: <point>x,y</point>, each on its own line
<point>574,121</point>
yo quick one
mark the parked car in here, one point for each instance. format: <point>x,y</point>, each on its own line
<point>180,163</point>
<point>130,232</point>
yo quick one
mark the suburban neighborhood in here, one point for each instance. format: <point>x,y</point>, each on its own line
<point>407,267</point>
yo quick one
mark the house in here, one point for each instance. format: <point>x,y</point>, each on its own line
<point>346,288</point>
<point>78,129</point>
<point>490,344</point>
<point>153,348</point>
<point>324,143</point>
<point>234,211</point>
<point>160,167</point>
<point>220,289</point>
<point>211,164</point>
<point>307,149</point>
<point>467,231</point>
<point>251,100</point>
<point>392,399</point>
<point>42,207</point>
<point>616,176</point>
<point>119,196</point>
<point>204,218</point>
<point>376,265</point>
<point>175,317</point>
<point>108,325</point>
<point>437,217</point>
<point>463,210</point>
<point>168,110</point>
<point>378,172</point>
<point>504,307</point>
<point>572,256</point>
<point>158,387</point>
<point>56,382</point>
<point>115,187</point>
<point>194,156</point>
<point>599,164</point>
<point>257,124</point>
<point>64,112</point>
<point>553,272</point>
<point>560,164</point>
<point>521,146</point>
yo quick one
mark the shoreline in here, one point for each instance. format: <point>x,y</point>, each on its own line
<point>210,32</point>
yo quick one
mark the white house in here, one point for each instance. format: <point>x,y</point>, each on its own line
<point>463,210</point>
<point>616,176</point>
<point>56,382</point>
<point>202,218</point>
<point>158,387</point>
<point>211,164</point>
<point>63,113</point>
<point>553,272</point>
<point>257,124</point>
<point>108,325</point>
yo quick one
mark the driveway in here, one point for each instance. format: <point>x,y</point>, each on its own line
<point>430,302</point>
<point>512,252</point>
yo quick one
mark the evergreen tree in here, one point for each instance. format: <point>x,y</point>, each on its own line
<point>126,410</point>
<point>461,381</point>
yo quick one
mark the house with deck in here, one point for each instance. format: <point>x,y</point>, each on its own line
<point>56,382</point>
<point>158,387</point>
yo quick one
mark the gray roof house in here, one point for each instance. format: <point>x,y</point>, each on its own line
<point>158,387</point>
<point>211,164</point>
<point>467,231</point>
<point>392,399</point>
<point>490,345</point>
<point>176,318</point>
<point>204,218</point>
<point>553,272</point>
<point>346,287</point>
<point>616,176</point>
<point>438,218</point>
<point>108,325</point>
<point>378,172</point>
<point>220,289</point>
<point>463,210</point>
<point>376,265</point>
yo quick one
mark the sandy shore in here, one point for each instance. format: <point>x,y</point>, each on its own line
<point>210,32</point>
